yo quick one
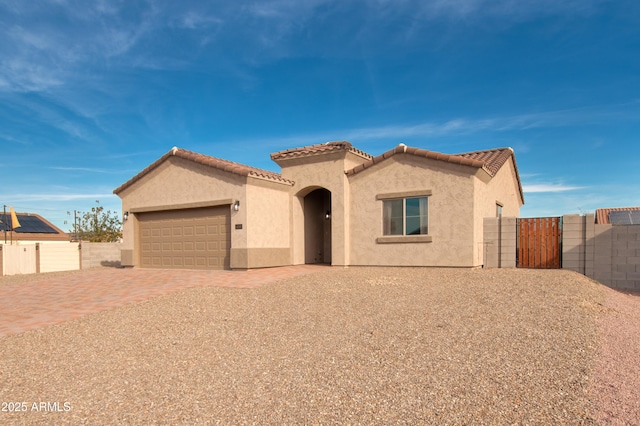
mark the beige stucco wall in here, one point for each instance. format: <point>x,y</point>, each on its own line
<point>502,188</point>
<point>267,227</point>
<point>451,224</point>
<point>179,183</point>
<point>321,171</point>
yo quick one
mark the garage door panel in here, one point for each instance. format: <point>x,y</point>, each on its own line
<point>169,239</point>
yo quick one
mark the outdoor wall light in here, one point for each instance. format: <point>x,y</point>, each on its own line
<point>327,215</point>
<point>125,216</point>
<point>236,205</point>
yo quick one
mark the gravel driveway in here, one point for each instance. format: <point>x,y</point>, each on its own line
<point>357,345</point>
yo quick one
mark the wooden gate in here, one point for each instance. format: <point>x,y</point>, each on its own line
<point>539,243</point>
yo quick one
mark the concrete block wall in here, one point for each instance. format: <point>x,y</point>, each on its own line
<point>603,256</point>
<point>100,254</point>
<point>625,257</point>
<point>578,243</point>
<point>500,242</point>
<point>609,254</point>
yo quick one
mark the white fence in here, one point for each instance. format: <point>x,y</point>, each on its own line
<point>18,259</point>
<point>59,257</point>
<point>51,257</point>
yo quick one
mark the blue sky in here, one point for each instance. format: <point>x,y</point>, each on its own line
<point>93,92</point>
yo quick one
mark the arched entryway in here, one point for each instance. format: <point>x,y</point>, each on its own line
<point>317,226</point>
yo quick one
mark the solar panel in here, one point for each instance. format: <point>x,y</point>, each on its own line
<point>28,225</point>
<point>625,217</point>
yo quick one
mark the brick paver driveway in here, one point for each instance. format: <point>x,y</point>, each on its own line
<point>27,304</point>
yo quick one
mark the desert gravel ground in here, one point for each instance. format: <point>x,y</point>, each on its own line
<point>344,346</point>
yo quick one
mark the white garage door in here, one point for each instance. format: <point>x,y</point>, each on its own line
<point>189,238</point>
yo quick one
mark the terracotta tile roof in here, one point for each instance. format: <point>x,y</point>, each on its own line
<point>464,159</point>
<point>489,160</point>
<point>217,163</point>
<point>602,215</point>
<point>493,159</point>
<point>318,149</point>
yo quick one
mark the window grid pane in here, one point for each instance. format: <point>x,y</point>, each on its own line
<point>393,217</point>
<point>405,216</point>
<point>416,216</point>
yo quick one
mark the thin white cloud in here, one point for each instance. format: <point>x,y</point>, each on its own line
<point>549,187</point>
<point>197,21</point>
<point>466,126</point>
<point>83,169</point>
<point>25,198</point>
<point>505,9</point>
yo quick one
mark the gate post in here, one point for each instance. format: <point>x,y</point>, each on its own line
<point>578,234</point>
<point>37,258</point>
<point>500,242</point>
<point>508,235</point>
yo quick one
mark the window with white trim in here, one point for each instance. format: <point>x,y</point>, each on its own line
<point>406,216</point>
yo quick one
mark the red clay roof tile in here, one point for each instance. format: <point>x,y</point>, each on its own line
<point>493,159</point>
<point>403,149</point>
<point>217,163</point>
<point>323,148</point>
<point>489,160</point>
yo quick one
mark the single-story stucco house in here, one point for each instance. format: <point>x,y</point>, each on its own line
<point>331,203</point>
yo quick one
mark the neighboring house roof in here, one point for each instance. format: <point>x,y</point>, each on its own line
<point>32,227</point>
<point>602,215</point>
<point>216,163</point>
<point>489,160</point>
<point>318,149</point>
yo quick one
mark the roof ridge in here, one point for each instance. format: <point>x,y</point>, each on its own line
<point>321,148</point>
<point>489,163</point>
<point>237,168</point>
<point>210,161</point>
<point>404,149</point>
<point>487,150</point>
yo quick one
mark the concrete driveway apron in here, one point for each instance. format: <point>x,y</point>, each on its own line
<point>55,298</point>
